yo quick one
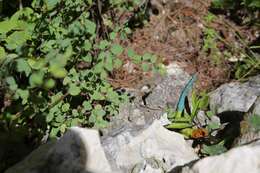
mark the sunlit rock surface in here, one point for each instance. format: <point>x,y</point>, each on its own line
<point>235,96</point>
<point>168,148</point>
<point>243,159</point>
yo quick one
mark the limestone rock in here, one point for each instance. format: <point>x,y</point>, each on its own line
<point>164,92</point>
<point>239,160</point>
<point>235,96</point>
<point>167,92</point>
<point>126,149</point>
<point>78,151</point>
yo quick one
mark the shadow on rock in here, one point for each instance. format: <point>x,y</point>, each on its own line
<point>69,154</point>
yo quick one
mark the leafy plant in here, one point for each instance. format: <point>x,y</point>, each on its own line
<point>55,57</point>
<point>212,150</point>
<point>254,121</point>
<point>184,121</point>
<point>244,60</point>
<point>231,4</point>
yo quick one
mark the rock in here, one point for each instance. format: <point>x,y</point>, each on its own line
<point>239,160</point>
<point>14,146</point>
<point>235,96</point>
<point>164,92</point>
<point>256,109</point>
<point>148,166</point>
<point>235,99</point>
<point>167,92</point>
<point>130,147</point>
<point>78,151</point>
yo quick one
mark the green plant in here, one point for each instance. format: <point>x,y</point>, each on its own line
<point>184,121</point>
<point>212,150</point>
<point>246,61</point>
<point>254,122</point>
<point>55,57</point>
<point>211,39</point>
<point>231,4</point>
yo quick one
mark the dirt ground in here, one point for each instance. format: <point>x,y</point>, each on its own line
<point>176,32</point>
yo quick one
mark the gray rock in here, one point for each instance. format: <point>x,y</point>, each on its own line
<point>164,92</point>
<point>235,96</point>
<point>167,92</point>
<point>256,109</point>
<point>239,160</point>
<point>78,151</point>
<point>126,149</point>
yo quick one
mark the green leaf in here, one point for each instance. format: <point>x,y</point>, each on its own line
<point>103,44</point>
<point>97,96</point>
<point>112,35</point>
<point>255,122</point>
<point>131,53</point>
<point>87,106</point>
<point>66,80</point>
<point>2,54</point>
<point>117,63</point>
<point>17,39</point>
<point>56,97</point>
<point>87,45</point>
<point>179,125</point>
<point>204,102</point>
<point>74,122</point>
<point>49,117</point>
<point>145,67</point>
<point>109,63</point>
<point>97,115</point>
<point>153,59</point>
<point>102,55</point>
<point>137,59</point>
<point>147,56</point>
<point>60,118</point>
<point>75,113</point>
<point>36,64</point>
<point>54,132</point>
<point>116,49</point>
<point>36,79</point>
<point>7,26</point>
<point>49,84</point>
<point>87,58</point>
<point>214,149</point>
<point>91,27</point>
<point>12,83</point>
<point>127,30</point>
<point>113,97</point>
<point>209,114</point>
<point>23,66</point>
<point>24,95</point>
<point>213,126</point>
<point>65,107</point>
<point>51,4</point>
<point>63,128</point>
<point>74,89</point>
<point>99,68</point>
<point>57,71</point>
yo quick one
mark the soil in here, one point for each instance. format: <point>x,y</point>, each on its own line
<point>175,32</point>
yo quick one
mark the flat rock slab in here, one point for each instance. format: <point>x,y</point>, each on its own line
<point>126,150</point>
<point>243,159</point>
<point>235,96</point>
